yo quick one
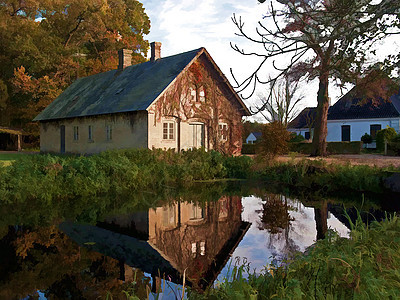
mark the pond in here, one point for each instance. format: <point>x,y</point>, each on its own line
<point>153,239</point>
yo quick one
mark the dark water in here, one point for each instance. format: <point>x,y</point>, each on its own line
<point>107,248</point>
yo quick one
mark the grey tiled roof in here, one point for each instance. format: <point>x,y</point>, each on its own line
<point>351,106</point>
<point>116,91</point>
<point>257,134</point>
<point>304,118</point>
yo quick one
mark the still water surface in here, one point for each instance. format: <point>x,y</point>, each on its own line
<point>71,259</point>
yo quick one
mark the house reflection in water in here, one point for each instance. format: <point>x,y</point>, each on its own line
<point>181,237</point>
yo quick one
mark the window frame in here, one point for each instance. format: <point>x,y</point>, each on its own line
<point>90,133</point>
<point>223,132</point>
<point>109,132</point>
<point>168,132</point>
<point>373,133</point>
<point>76,133</point>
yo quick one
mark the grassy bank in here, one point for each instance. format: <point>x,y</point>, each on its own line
<point>328,179</point>
<point>118,174</point>
<point>365,266</point>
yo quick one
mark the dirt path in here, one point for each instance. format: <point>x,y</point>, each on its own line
<point>354,159</point>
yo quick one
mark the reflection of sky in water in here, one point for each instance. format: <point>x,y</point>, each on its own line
<point>259,247</point>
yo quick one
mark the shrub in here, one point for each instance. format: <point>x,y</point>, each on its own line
<point>394,148</point>
<point>332,147</point>
<point>366,138</point>
<point>344,147</point>
<point>274,140</point>
<point>383,135</point>
<point>295,138</point>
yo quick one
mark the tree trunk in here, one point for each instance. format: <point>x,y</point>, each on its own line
<point>321,220</point>
<point>321,118</point>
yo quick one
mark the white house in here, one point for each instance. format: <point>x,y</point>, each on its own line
<point>351,117</point>
<point>253,137</point>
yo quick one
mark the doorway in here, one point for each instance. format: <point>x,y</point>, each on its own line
<point>198,135</point>
<point>345,133</point>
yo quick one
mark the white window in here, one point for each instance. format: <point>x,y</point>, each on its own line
<point>109,132</point>
<point>90,132</point>
<point>168,131</point>
<point>223,131</point>
<point>192,95</point>
<point>76,133</point>
<point>202,94</point>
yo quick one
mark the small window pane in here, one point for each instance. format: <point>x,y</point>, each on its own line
<point>90,132</point>
<point>76,133</point>
<point>171,131</point>
<point>109,132</point>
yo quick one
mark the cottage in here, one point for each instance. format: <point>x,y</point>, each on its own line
<point>178,102</point>
<point>351,117</point>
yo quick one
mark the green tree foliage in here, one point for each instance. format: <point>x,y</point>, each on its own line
<point>366,138</point>
<point>319,39</point>
<point>46,45</point>
<point>384,135</point>
<point>295,138</point>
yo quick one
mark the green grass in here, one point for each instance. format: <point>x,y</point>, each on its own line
<point>6,159</point>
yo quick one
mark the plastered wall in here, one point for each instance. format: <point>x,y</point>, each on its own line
<point>128,131</point>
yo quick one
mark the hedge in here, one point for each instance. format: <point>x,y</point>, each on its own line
<point>249,149</point>
<point>332,147</point>
<point>393,148</point>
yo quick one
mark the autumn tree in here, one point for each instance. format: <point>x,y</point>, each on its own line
<point>46,45</point>
<point>319,39</point>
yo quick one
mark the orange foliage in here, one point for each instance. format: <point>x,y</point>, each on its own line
<point>41,91</point>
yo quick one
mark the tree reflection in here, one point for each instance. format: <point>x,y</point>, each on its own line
<point>275,216</point>
<point>46,259</point>
<point>276,219</point>
<point>321,219</point>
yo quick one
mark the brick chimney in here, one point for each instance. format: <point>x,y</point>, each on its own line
<point>125,58</point>
<point>155,51</point>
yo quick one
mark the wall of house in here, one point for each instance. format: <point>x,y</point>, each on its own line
<point>128,131</point>
<point>193,242</point>
<point>251,139</point>
<point>193,134</point>
<point>301,131</point>
<point>357,128</point>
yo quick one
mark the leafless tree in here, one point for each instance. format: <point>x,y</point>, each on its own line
<point>281,103</point>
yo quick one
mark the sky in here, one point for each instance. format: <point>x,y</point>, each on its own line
<point>183,25</point>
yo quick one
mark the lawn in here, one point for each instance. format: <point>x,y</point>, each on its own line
<point>7,159</point>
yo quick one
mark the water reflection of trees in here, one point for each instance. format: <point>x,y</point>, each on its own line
<point>276,219</point>
<point>46,260</point>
